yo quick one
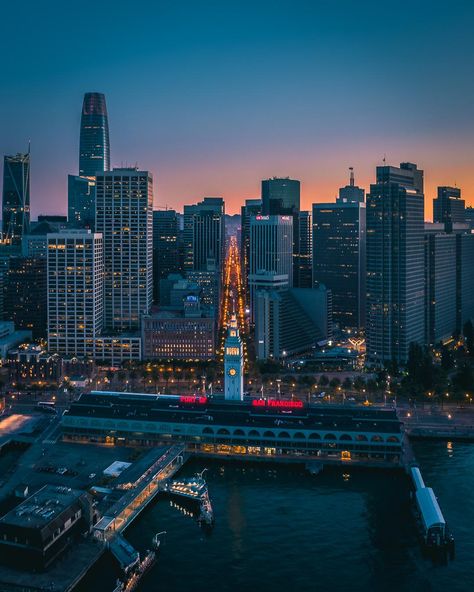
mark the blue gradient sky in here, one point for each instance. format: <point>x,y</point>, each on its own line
<point>214,96</point>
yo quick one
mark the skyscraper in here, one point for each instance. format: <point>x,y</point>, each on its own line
<point>280,196</point>
<point>302,261</point>
<point>81,201</point>
<point>252,207</point>
<point>271,251</point>
<point>16,197</point>
<point>339,251</point>
<point>165,247</point>
<point>204,234</point>
<point>395,263</point>
<point>351,192</point>
<point>448,207</point>
<point>75,291</point>
<point>124,217</point>
<point>94,145</point>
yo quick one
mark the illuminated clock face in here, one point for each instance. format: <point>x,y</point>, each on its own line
<point>232,372</point>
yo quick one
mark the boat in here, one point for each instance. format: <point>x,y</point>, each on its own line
<point>206,513</point>
<point>192,488</point>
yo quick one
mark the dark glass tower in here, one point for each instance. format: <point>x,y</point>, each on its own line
<point>94,145</point>
<point>16,197</point>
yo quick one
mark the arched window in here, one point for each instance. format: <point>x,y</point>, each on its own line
<point>223,432</point>
<point>268,434</point>
<point>254,434</point>
<point>239,433</point>
<point>284,435</point>
<point>345,437</point>
<point>208,431</point>
<point>329,437</point>
<point>299,436</point>
<point>314,436</point>
<point>393,439</point>
<point>361,438</point>
<point>376,439</point>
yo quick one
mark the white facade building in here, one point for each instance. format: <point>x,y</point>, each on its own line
<point>233,364</point>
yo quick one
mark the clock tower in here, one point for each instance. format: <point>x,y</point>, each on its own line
<point>233,363</point>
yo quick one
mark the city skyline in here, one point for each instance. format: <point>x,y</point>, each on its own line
<point>222,99</point>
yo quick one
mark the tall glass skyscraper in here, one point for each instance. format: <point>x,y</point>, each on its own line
<point>16,197</point>
<point>94,145</point>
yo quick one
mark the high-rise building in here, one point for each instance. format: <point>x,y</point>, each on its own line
<point>464,279</point>
<point>291,321</point>
<point>165,248</point>
<point>81,201</point>
<point>271,250</point>
<point>204,234</point>
<point>448,207</point>
<point>339,244</point>
<point>395,264</point>
<point>303,260</point>
<point>440,283</point>
<point>75,274</point>
<point>26,295</point>
<point>252,207</point>
<point>94,144</point>
<point>16,197</point>
<point>124,217</point>
<point>351,193</point>
<point>280,196</point>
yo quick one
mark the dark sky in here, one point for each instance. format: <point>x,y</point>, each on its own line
<point>214,96</point>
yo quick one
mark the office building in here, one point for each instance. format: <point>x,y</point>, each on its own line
<point>16,197</point>
<point>271,250</point>
<point>351,193</point>
<point>291,321</point>
<point>11,337</point>
<point>94,144</point>
<point>464,279</point>
<point>395,264</point>
<point>440,283</point>
<point>303,259</point>
<point>165,248</point>
<point>81,201</point>
<point>75,277</point>
<point>25,296</point>
<point>204,234</point>
<point>339,255</point>
<point>280,196</point>
<point>209,286</point>
<point>252,207</point>
<point>448,207</point>
<point>124,217</point>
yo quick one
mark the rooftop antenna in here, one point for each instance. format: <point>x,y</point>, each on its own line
<point>29,147</point>
<point>351,176</point>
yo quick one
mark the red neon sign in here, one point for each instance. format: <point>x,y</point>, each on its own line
<point>191,399</point>
<point>274,403</point>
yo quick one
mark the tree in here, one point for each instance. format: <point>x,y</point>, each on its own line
<point>347,384</point>
<point>359,384</point>
<point>323,380</point>
<point>334,383</point>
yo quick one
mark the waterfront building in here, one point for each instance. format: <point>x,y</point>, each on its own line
<point>36,532</point>
<point>254,428</point>
<point>448,207</point>
<point>252,207</point>
<point>271,250</point>
<point>165,248</point>
<point>233,363</point>
<point>204,234</point>
<point>395,264</point>
<point>291,321</point>
<point>81,201</point>
<point>351,193</point>
<point>75,274</point>
<point>16,197</point>
<point>94,143</point>
<point>25,295</point>
<point>339,258</point>
<point>124,217</point>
